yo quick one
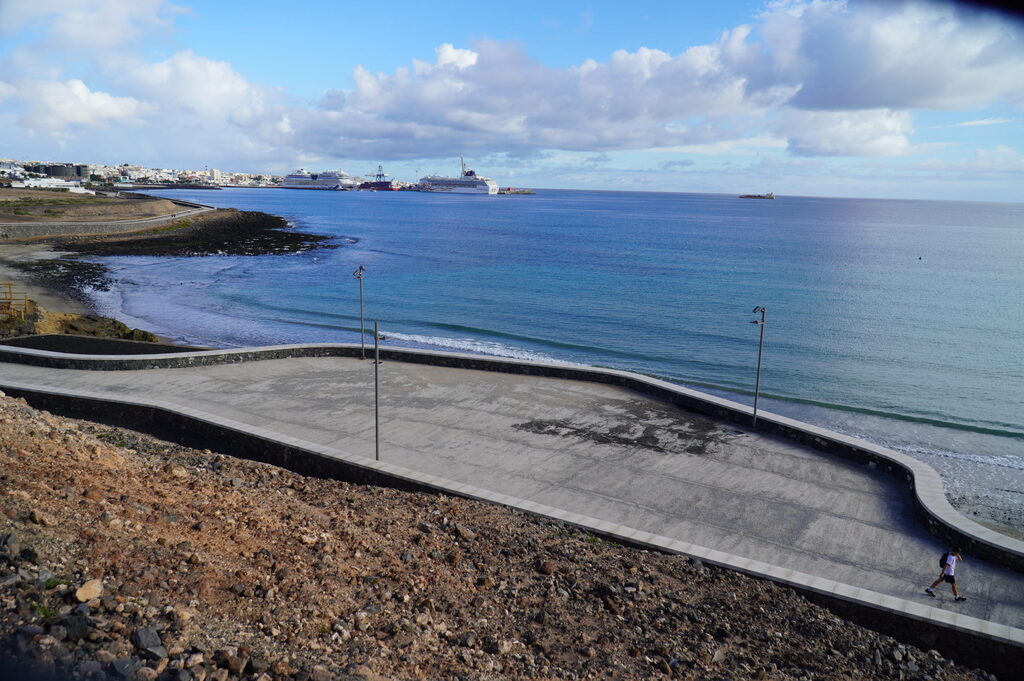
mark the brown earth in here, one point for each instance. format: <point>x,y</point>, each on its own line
<point>131,557</point>
<point>41,205</point>
<point>40,322</point>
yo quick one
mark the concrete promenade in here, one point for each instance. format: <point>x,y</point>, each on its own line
<point>599,451</point>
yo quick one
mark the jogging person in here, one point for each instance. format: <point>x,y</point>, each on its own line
<point>948,575</point>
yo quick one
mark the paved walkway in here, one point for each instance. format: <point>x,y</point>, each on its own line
<point>33,230</point>
<point>592,449</point>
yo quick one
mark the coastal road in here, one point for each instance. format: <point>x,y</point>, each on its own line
<point>28,230</point>
<point>596,450</point>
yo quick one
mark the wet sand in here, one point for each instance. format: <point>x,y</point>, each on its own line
<point>54,300</point>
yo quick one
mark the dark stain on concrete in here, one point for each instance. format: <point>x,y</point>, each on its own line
<point>653,426</point>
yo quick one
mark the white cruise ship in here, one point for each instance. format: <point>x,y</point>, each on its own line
<point>329,179</point>
<point>468,183</point>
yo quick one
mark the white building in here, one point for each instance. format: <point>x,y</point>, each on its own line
<point>74,186</point>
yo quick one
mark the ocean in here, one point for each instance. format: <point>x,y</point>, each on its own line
<point>900,322</point>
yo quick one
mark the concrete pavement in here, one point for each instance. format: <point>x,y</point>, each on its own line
<point>595,450</point>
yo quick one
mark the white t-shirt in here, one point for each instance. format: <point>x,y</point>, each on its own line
<point>950,568</point>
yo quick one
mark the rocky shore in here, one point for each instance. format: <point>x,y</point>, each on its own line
<point>65,274</point>
<point>127,557</point>
<point>225,231</point>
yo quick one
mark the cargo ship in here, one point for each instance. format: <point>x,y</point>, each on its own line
<point>769,195</point>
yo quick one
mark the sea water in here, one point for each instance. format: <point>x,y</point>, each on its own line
<point>897,321</point>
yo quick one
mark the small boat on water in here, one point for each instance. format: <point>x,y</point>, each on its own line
<point>769,195</point>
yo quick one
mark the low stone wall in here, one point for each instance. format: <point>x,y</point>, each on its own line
<point>94,345</point>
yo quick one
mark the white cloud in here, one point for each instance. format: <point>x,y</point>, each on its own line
<point>497,98</point>
<point>747,146</point>
<point>821,78</point>
<point>55,105</point>
<point>896,55</point>
<point>448,55</point>
<point>997,160</point>
<point>846,133</point>
<point>197,85</point>
<point>831,78</point>
<point>982,121</point>
<point>1001,159</point>
<point>97,24</point>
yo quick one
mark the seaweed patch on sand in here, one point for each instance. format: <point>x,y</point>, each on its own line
<point>71,277</point>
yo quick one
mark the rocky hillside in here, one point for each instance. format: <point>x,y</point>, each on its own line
<point>126,557</point>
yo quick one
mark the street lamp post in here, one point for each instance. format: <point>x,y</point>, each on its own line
<point>376,390</point>
<point>760,348</point>
<point>358,274</point>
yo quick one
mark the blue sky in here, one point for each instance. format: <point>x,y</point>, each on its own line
<point>895,99</point>
<point>329,38</point>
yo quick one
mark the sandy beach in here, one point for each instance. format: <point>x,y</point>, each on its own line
<point>42,206</point>
<point>12,254</point>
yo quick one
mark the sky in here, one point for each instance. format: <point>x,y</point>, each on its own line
<point>919,99</point>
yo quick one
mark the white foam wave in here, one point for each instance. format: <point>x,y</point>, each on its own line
<point>471,345</point>
<point>1012,462</point>
<point>107,303</point>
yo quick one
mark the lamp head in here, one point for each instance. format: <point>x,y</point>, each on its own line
<point>358,274</point>
<point>758,309</point>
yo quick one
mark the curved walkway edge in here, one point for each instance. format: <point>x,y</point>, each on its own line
<point>923,481</point>
<point>889,613</point>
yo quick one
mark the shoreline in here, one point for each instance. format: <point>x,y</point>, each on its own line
<point>54,271</point>
<point>50,297</point>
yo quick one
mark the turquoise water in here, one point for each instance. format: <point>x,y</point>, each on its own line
<point>897,321</point>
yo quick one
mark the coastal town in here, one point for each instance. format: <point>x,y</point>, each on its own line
<point>68,174</point>
<point>84,177</point>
